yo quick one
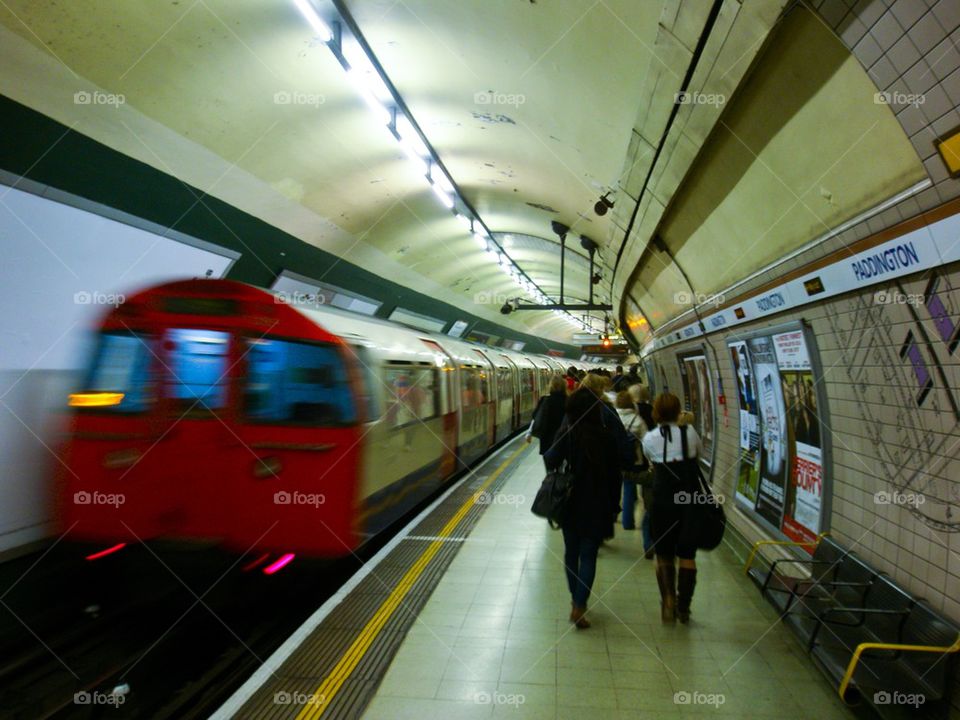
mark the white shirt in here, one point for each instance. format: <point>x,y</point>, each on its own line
<point>653,444</point>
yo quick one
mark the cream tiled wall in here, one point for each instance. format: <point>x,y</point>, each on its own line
<point>881,438</point>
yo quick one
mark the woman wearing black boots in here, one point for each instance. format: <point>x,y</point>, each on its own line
<point>674,452</point>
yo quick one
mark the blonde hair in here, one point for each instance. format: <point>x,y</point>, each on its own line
<point>686,418</point>
<point>557,383</point>
<point>639,393</point>
<point>594,383</point>
<point>624,400</point>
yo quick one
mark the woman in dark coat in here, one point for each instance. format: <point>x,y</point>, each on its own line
<point>549,414</point>
<point>586,439</point>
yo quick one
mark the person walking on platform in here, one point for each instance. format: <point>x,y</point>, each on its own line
<point>640,394</point>
<point>587,441</point>
<point>634,425</point>
<point>548,415</point>
<point>619,380</point>
<point>674,451</point>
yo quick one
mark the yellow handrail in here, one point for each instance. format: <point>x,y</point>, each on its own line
<point>888,646</point>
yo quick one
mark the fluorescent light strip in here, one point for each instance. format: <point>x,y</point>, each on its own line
<point>319,26</point>
<point>375,90</point>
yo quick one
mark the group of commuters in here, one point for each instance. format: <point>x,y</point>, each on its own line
<point>613,440</point>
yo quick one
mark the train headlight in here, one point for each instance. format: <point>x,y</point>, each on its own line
<point>95,399</point>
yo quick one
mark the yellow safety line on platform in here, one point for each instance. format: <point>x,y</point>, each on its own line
<point>321,699</point>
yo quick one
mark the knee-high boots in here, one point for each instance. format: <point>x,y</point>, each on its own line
<point>686,582</point>
<point>666,579</point>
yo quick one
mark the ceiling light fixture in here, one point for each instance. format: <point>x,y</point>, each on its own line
<point>338,30</point>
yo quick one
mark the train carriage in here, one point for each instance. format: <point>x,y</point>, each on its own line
<point>214,411</point>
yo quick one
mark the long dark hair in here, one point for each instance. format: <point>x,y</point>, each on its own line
<point>586,426</point>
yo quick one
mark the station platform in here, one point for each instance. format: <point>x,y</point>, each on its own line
<point>465,615</point>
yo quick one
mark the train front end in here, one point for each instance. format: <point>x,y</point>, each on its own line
<point>211,412</point>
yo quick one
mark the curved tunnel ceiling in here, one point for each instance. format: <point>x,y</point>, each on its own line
<point>784,165</point>
<point>535,108</point>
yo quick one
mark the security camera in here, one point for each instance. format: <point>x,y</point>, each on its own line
<point>507,308</point>
<point>603,204</point>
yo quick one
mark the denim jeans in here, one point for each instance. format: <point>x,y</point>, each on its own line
<point>629,502</point>
<point>580,562</point>
<point>645,530</point>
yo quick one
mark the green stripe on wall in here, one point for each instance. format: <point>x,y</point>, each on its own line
<point>45,151</point>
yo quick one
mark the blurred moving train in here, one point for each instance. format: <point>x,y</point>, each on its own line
<point>212,411</point>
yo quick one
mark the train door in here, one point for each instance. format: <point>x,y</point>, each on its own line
<point>298,432</point>
<point>490,401</point>
<point>515,388</point>
<point>447,408</point>
<point>527,372</point>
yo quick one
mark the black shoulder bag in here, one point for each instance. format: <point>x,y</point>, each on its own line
<point>553,497</point>
<point>711,519</point>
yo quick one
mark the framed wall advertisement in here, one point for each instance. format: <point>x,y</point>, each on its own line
<point>698,399</point>
<point>782,481</point>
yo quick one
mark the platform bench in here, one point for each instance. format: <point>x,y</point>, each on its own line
<point>876,642</point>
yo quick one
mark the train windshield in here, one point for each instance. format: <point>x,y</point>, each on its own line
<point>197,372</point>
<point>293,383</point>
<point>118,380</point>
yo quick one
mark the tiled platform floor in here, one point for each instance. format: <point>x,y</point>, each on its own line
<point>494,639</point>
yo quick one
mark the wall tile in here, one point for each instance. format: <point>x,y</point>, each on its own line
<point>867,50</point>
<point>887,31</point>
<point>903,54</point>
<point>908,12</point>
<point>948,14</point>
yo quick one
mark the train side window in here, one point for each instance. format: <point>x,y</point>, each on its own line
<point>504,383</point>
<point>121,366</point>
<point>412,394</point>
<point>197,377</point>
<point>371,383</point>
<point>475,388</point>
<point>295,383</point>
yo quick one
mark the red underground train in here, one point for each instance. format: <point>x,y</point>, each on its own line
<point>213,411</point>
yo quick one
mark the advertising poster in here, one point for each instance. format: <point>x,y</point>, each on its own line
<point>773,442</point>
<point>698,394</point>
<point>804,492</point>
<point>748,479</point>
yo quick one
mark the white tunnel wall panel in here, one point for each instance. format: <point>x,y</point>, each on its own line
<point>62,268</point>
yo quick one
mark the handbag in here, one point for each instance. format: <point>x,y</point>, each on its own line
<point>711,520</point>
<point>536,427</point>
<point>553,497</point>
